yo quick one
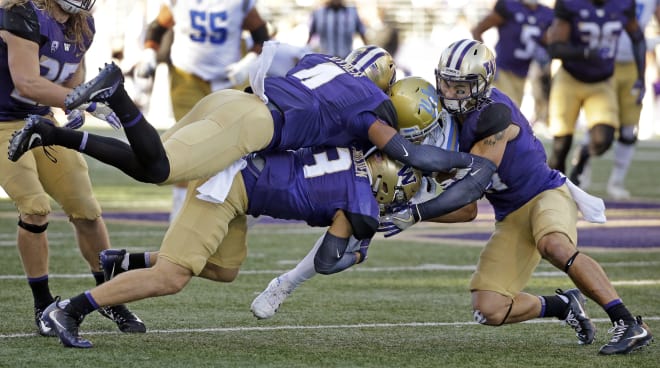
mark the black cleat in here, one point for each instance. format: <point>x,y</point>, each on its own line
<point>577,316</point>
<point>65,325</point>
<point>98,89</point>
<point>110,260</point>
<point>627,337</point>
<point>42,327</point>
<point>26,138</point>
<point>126,320</point>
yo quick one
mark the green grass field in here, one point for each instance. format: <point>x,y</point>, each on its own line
<point>408,306</point>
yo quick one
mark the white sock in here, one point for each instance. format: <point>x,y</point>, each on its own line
<point>304,270</point>
<point>623,155</point>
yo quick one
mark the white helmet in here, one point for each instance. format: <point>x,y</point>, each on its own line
<point>74,7</point>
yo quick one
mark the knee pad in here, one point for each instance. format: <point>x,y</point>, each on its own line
<point>35,229</point>
<point>601,138</point>
<point>628,134</point>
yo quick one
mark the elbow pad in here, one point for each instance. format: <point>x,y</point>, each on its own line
<point>425,157</point>
<point>330,253</point>
<point>461,193</point>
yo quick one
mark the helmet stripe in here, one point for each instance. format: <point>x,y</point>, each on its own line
<point>458,54</point>
<point>368,58</point>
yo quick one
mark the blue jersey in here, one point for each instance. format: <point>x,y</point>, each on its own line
<point>59,57</point>
<point>324,101</point>
<point>520,34</point>
<point>597,28</point>
<point>311,184</point>
<point>523,172</point>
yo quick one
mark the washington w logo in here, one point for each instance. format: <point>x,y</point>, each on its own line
<point>407,175</point>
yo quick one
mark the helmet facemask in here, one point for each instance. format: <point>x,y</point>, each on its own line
<point>74,7</point>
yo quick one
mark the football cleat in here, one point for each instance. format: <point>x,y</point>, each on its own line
<point>98,89</point>
<point>43,328</point>
<point>266,304</point>
<point>65,325</point>
<point>627,336</point>
<point>577,317</point>
<point>110,260</point>
<point>26,138</point>
<point>617,191</point>
<point>126,320</point>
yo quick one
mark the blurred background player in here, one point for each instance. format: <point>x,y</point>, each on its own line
<point>335,24</point>
<point>205,53</point>
<point>42,45</point>
<point>630,108</point>
<point>521,26</point>
<point>584,35</point>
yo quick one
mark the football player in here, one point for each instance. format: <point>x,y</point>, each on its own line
<point>42,46</point>
<point>521,27</point>
<point>535,211</point>
<point>205,53</point>
<point>322,101</point>
<point>625,77</point>
<point>584,36</point>
<point>321,186</point>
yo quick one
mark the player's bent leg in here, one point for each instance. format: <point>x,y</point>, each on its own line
<point>216,273</point>
<point>491,308</point>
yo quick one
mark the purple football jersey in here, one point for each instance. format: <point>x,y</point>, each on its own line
<point>324,101</point>
<point>520,34</point>
<point>59,57</point>
<point>311,184</point>
<point>597,28</point>
<point>523,172</point>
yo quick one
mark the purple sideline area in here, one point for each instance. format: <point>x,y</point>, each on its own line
<point>599,236</point>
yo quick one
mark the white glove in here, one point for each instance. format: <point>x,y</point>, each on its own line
<point>238,72</point>
<point>100,111</point>
<point>394,223</point>
<point>146,67</point>
<point>74,119</point>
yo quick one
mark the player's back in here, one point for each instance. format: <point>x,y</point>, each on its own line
<point>326,102</point>
<point>311,184</point>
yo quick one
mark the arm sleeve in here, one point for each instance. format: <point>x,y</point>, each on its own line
<point>426,157</point>
<point>330,253</point>
<point>461,193</point>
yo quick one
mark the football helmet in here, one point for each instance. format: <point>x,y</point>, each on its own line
<point>391,181</point>
<point>416,103</point>
<point>465,62</point>
<point>74,7</point>
<point>376,63</point>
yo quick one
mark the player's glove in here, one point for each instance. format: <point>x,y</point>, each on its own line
<point>238,72</point>
<point>392,223</point>
<point>76,117</point>
<point>146,67</point>
<point>639,90</point>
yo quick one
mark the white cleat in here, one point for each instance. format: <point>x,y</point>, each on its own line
<point>265,305</point>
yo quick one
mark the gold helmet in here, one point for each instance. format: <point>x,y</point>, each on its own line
<point>376,63</point>
<point>416,103</point>
<point>470,62</point>
<point>391,181</point>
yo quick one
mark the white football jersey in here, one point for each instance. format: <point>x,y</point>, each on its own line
<point>207,35</point>
<point>644,10</point>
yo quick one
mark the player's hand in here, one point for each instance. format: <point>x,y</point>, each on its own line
<point>74,119</point>
<point>639,90</point>
<point>397,221</point>
<point>146,67</point>
<point>238,72</point>
<point>101,111</point>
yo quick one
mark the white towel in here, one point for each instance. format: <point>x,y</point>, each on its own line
<point>592,208</point>
<point>215,189</point>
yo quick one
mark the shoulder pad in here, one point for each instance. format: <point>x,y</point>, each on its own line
<point>492,119</point>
